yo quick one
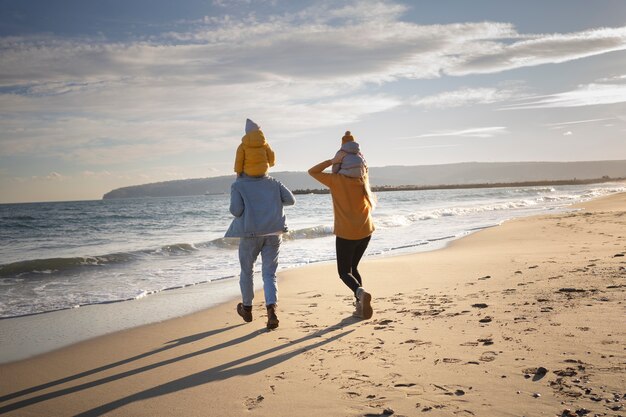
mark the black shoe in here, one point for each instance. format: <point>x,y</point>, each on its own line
<point>245,312</point>
<point>272,319</point>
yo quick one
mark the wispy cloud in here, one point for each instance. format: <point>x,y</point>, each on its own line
<point>564,125</point>
<point>466,97</point>
<point>451,145</point>
<point>540,49</point>
<point>52,176</point>
<point>586,95</point>
<point>478,132</point>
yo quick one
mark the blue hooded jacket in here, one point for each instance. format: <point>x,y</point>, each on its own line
<point>257,204</point>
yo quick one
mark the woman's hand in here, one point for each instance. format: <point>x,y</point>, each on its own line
<point>320,167</point>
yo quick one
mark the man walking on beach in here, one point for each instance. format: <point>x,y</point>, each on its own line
<point>257,204</point>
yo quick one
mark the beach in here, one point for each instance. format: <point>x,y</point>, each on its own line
<point>527,318</point>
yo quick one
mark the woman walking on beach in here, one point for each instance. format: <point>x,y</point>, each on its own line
<point>353,227</point>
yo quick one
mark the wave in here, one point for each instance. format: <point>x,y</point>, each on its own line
<point>51,265</point>
<point>177,249</point>
<point>540,201</point>
<point>18,218</point>
<point>309,233</point>
<point>408,219</point>
<point>59,265</point>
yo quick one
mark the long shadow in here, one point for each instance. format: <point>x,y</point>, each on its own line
<point>168,345</point>
<point>213,374</point>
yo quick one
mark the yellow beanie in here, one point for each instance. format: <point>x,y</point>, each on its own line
<point>347,137</point>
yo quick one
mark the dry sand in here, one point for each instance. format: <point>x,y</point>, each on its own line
<point>525,319</point>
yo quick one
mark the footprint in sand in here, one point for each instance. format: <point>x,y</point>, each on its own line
<point>252,403</point>
<point>488,356</point>
<point>486,341</point>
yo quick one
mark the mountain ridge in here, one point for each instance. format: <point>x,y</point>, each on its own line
<point>464,173</point>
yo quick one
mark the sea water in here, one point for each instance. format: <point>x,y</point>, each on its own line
<point>69,254</point>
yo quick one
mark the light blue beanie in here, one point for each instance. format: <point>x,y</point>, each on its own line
<point>251,126</point>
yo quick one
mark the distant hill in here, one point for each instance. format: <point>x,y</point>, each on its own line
<point>421,175</point>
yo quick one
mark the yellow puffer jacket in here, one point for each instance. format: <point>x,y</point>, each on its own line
<point>254,155</point>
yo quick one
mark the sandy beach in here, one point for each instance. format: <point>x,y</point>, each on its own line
<point>524,319</point>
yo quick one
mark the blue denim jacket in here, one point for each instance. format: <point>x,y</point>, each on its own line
<point>257,204</point>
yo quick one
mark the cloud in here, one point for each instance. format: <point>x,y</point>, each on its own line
<point>189,89</point>
<point>585,95</point>
<point>564,125</point>
<point>452,145</point>
<point>51,177</point>
<point>362,41</point>
<point>54,176</point>
<point>568,133</point>
<point>466,97</point>
<point>478,132</point>
<point>541,49</point>
<point>92,174</point>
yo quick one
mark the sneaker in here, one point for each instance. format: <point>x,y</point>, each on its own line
<point>365,300</point>
<point>272,319</point>
<point>245,312</point>
<point>358,310</point>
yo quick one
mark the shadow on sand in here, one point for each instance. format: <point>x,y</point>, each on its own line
<point>217,373</point>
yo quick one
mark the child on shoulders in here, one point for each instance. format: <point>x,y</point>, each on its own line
<point>352,163</point>
<point>254,155</point>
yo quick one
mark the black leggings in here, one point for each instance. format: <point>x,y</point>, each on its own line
<point>349,254</point>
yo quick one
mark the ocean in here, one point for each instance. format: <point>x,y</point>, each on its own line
<point>65,255</point>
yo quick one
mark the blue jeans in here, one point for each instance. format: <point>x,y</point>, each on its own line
<point>249,249</point>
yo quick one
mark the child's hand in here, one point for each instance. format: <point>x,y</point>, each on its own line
<point>338,157</point>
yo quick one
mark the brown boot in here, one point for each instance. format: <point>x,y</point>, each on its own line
<point>272,319</point>
<point>245,312</point>
<point>365,299</point>
<point>358,310</point>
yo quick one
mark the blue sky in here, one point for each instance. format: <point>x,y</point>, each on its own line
<point>98,95</point>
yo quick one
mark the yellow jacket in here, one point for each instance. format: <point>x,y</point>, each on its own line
<point>353,212</point>
<point>254,155</point>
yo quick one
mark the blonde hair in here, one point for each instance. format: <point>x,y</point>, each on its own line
<point>369,195</point>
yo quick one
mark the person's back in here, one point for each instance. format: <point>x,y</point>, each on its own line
<point>353,227</point>
<point>257,204</point>
<point>351,206</point>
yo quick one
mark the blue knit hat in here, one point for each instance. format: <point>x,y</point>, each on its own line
<point>251,126</point>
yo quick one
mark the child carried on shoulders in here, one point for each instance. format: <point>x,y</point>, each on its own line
<point>254,155</point>
<point>351,161</point>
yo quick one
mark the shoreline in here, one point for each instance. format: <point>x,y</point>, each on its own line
<point>546,183</point>
<point>44,332</point>
<point>521,319</point>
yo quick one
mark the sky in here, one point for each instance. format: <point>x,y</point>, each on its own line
<point>96,95</point>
